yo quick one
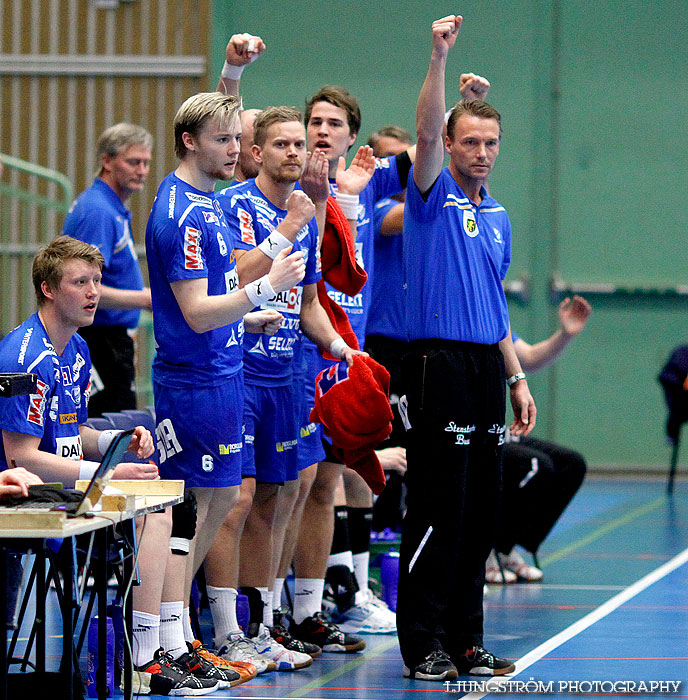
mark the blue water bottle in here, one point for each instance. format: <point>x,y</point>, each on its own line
<point>242,612</point>
<point>116,612</point>
<point>389,578</point>
<point>94,661</point>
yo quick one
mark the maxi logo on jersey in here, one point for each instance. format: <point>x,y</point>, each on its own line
<point>192,249</point>
<point>331,377</point>
<point>37,404</point>
<point>248,235</point>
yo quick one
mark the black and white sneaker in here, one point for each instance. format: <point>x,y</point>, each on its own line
<point>436,666</point>
<point>317,629</point>
<point>163,676</point>
<point>281,634</point>
<point>200,667</point>
<point>480,662</point>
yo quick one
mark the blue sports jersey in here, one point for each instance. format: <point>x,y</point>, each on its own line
<point>60,403</point>
<point>187,238</point>
<point>387,313</point>
<point>98,216</point>
<point>385,182</point>
<point>268,360</point>
<point>456,255</point>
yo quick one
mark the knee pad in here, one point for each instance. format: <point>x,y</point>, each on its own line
<point>183,524</point>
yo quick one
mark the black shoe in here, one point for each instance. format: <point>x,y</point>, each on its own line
<point>317,629</point>
<point>479,662</point>
<point>436,666</point>
<point>163,676</point>
<point>281,634</point>
<point>197,666</point>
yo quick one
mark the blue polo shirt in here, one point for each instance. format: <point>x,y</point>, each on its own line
<point>98,216</point>
<point>456,254</point>
<point>387,313</point>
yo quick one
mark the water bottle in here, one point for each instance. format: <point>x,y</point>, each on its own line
<point>94,661</point>
<point>116,612</point>
<point>242,612</point>
<point>389,578</point>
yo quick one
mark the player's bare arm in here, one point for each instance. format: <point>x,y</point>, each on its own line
<point>204,312</point>
<point>431,104</point>
<point>316,326</point>
<point>242,49</point>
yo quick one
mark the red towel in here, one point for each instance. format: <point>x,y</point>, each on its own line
<point>340,269</point>
<point>352,403</point>
<point>338,254</point>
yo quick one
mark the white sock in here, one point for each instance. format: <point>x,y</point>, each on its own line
<point>361,570</point>
<point>186,623</point>
<point>172,628</point>
<point>223,609</point>
<point>277,594</point>
<point>308,593</point>
<point>146,629</point>
<point>345,558</point>
<point>266,597</point>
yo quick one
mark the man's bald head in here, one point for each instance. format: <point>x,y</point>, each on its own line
<point>246,167</point>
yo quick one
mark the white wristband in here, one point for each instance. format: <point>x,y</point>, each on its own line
<point>349,204</point>
<point>259,291</point>
<point>274,244</point>
<point>337,347</point>
<point>105,438</point>
<point>87,469</point>
<point>232,72</point>
<point>515,378</point>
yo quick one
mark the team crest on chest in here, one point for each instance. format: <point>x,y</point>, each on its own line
<point>470,225</point>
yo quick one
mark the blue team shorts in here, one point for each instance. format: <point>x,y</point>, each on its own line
<point>198,432</point>
<point>270,430</point>
<point>310,434</point>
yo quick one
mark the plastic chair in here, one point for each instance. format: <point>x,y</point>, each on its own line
<point>145,419</point>
<point>121,421</point>
<point>141,418</point>
<point>99,424</point>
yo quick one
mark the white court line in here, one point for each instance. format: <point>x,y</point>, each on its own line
<point>590,619</point>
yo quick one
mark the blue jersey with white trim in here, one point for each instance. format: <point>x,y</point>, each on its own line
<point>98,216</point>
<point>384,183</point>
<point>60,404</point>
<point>387,313</point>
<point>268,360</point>
<point>187,237</point>
<point>456,254</point>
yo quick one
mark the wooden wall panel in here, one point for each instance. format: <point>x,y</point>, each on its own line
<point>53,116</point>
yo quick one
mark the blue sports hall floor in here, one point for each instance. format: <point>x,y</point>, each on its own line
<point>609,620</point>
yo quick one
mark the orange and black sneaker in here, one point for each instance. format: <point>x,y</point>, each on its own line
<point>163,676</point>
<point>247,671</point>
<point>200,667</point>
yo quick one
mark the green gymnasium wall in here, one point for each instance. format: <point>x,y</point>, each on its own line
<point>592,170</point>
